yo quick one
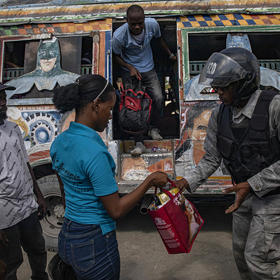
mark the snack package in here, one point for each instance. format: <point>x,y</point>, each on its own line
<point>163,197</point>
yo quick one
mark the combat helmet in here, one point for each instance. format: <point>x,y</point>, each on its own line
<point>229,66</point>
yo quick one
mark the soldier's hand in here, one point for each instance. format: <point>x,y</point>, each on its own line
<point>241,190</point>
<point>182,184</point>
<point>3,238</point>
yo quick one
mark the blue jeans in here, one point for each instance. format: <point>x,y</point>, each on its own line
<point>28,235</point>
<point>152,86</point>
<point>92,255</point>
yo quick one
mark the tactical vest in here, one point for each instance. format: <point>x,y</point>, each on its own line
<point>246,150</point>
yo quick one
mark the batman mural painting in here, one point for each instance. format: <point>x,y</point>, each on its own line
<point>47,75</point>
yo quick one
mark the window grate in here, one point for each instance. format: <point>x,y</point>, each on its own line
<point>197,66</point>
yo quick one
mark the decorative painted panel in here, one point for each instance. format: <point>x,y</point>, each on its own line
<point>189,149</point>
<point>59,11</point>
<point>138,168</point>
<point>39,126</point>
<point>222,20</point>
<point>55,28</point>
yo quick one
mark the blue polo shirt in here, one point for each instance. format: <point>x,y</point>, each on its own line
<point>87,170</point>
<point>138,55</point>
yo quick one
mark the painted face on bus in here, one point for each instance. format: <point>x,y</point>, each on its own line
<point>200,125</point>
<point>47,54</point>
<point>198,134</point>
<point>136,22</point>
<point>47,64</point>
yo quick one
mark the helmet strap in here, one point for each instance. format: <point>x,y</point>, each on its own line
<point>244,91</point>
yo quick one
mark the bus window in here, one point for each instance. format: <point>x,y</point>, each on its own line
<point>202,45</point>
<point>13,60</point>
<point>48,64</point>
<point>269,56</point>
<point>86,56</point>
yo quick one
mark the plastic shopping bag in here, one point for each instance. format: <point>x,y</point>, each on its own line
<point>177,221</point>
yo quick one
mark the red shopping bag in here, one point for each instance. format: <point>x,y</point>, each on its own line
<point>178,223</point>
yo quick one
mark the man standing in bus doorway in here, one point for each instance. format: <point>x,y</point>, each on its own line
<point>19,211</point>
<point>244,131</point>
<point>132,48</point>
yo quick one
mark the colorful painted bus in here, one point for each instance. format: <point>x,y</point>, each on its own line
<point>79,32</point>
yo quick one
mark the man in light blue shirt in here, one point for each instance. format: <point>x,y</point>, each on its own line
<point>133,52</point>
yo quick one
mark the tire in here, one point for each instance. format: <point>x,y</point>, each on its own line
<point>52,223</point>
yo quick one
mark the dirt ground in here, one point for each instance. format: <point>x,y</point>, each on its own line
<point>143,255</point>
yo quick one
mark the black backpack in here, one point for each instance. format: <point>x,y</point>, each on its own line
<point>134,111</point>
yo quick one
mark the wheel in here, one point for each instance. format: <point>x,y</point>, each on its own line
<point>52,223</point>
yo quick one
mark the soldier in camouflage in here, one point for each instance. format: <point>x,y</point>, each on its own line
<point>244,132</point>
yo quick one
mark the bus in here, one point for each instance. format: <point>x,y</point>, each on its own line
<point>78,34</point>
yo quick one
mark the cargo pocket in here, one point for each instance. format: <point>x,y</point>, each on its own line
<point>83,255</point>
<point>272,237</point>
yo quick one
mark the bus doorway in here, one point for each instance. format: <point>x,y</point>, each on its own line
<point>167,72</point>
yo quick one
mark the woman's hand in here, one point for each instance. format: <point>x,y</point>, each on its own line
<point>157,179</point>
<point>117,206</point>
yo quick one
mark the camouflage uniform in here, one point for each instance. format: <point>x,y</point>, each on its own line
<point>256,223</point>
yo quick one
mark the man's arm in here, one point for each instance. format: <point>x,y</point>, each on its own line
<point>61,187</point>
<point>163,44</point>
<point>40,199</point>
<point>157,35</point>
<point>208,165</point>
<point>42,210</point>
<point>132,70</point>
<point>117,48</point>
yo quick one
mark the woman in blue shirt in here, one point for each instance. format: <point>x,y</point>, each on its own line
<point>87,240</point>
